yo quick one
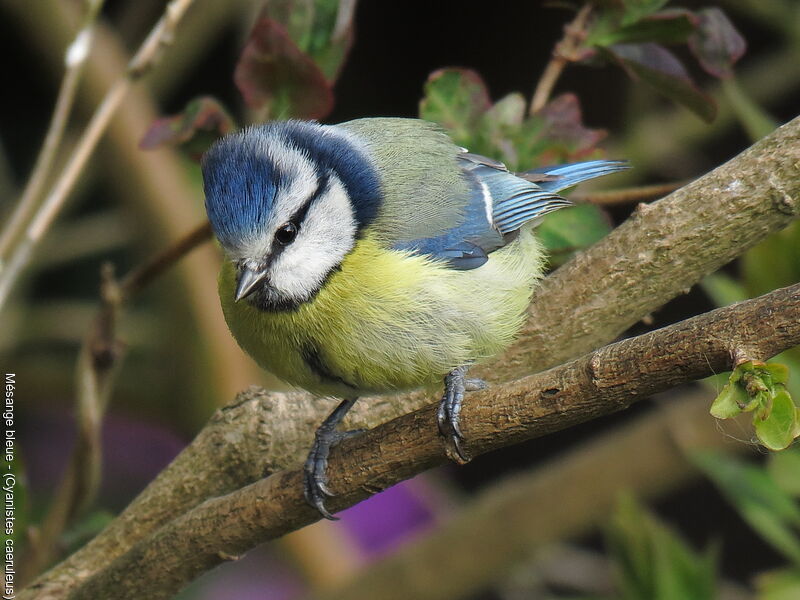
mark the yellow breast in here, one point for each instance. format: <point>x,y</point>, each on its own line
<point>388,320</point>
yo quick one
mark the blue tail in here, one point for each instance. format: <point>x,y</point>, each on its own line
<point>561,177</point>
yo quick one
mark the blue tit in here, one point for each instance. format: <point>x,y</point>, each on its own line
<point>375,256</point>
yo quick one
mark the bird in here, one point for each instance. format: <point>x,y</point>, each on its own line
<point>375,256</point>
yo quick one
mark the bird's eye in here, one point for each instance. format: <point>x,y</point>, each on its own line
<point>286,234</point>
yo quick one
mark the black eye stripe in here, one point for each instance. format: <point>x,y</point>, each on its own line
<point>297,219</point>
<point>323,183</point>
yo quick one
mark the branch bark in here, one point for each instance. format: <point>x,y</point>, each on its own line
<point>500,528</point>
<point>602,382</point>
<point>587,302</point>
<point>657,254</point>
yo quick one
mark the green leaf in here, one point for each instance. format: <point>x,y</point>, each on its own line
<point>769,510</point>
<point>716,43</point>
<point>317,28</point>
<point>273,72</point>
<point>731,401</point>
<point>652,562</point>
<point>784,468</point>
<point>778,372</point>
<point>295,16</point>
<point>776,423</point>
<point>665,27</point>
<point>633,10</point>
<point>658,67</point>
<point>456,99</point>
<point>498,132</point>
<point>332,35</point>
<point>509,111</point>
<point>571,229</point>
<point>761,387</point>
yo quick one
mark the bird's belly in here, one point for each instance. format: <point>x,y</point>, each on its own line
<point>388,321</point>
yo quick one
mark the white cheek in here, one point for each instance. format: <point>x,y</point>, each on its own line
<point>325,238</point>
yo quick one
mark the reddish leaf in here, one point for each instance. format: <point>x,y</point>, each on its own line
<point>658,67</point>
<point>716,43</point>
<point>323,29</point>
<point>273,71</point>
<point>295,16</point>
<point>202,121</point>
<point>564,124</point>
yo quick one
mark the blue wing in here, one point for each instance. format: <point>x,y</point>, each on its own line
<point>499,204</point>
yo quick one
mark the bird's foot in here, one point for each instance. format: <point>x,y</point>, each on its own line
<point>455,384</point>
<point>315,478</point>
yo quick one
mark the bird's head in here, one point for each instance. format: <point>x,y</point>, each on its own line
<point>287,201</point>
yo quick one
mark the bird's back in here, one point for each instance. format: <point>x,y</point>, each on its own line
<point>441,201</point>
<point>424,191</point>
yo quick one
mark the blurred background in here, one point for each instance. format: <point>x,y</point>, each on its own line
<point>180,363</point>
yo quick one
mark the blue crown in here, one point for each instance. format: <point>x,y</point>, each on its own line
<point>241,181</point>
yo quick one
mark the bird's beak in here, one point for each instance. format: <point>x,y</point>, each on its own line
<point>247,281</point>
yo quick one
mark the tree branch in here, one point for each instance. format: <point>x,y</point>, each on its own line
<point>659,253</point>
<point>605,381</point>
<point>513,519</point>
<point>644,193</point>
<point>96,369</point>
<point>565,51</point>
<point>140,277</point>
<point>98,362</point>
<point>587,302</point>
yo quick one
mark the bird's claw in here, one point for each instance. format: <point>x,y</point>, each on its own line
<point>315,478</point>
<point>455,384</point>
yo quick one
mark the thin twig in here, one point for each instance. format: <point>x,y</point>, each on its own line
<point>628,195</point>
<point>98,362</point>
<point>344,19</point>
<point>76,56</point>
<point>141,276</point>
<point>565,51</point>
<point>602,382</point>
<point>144,59</point>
